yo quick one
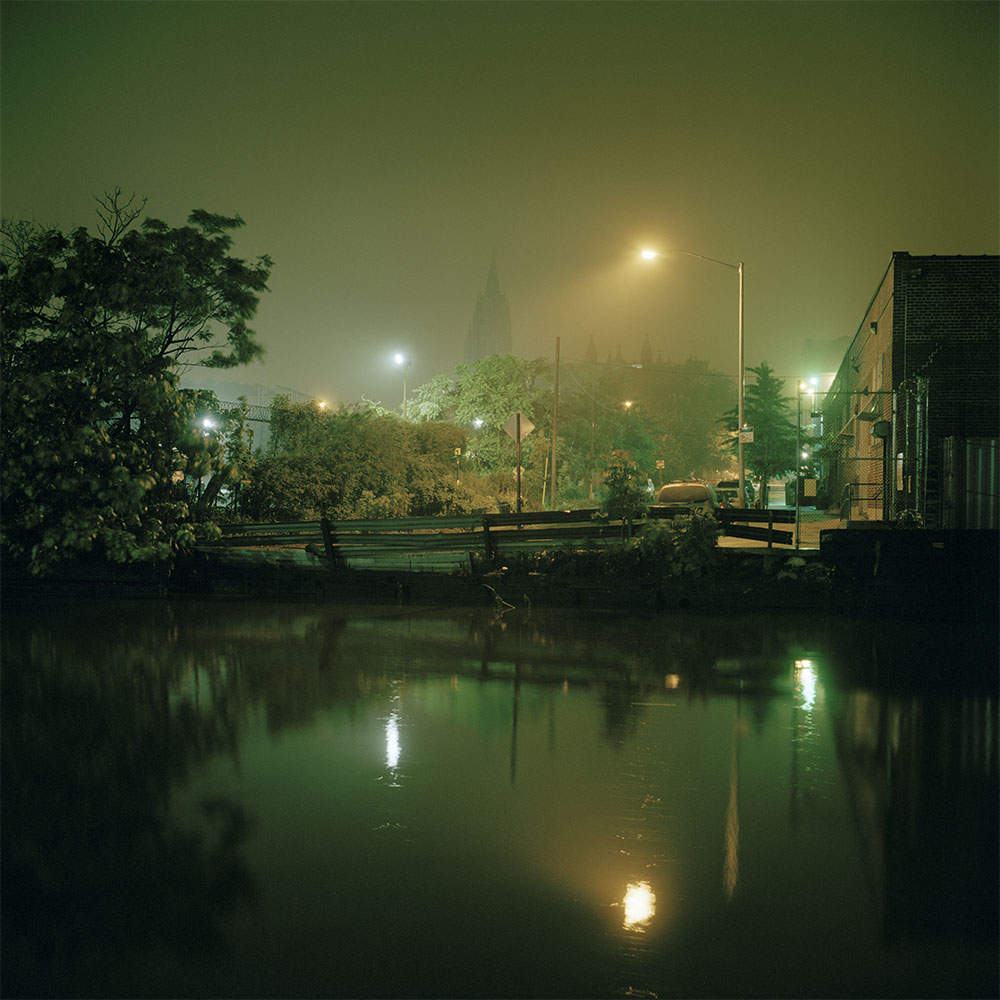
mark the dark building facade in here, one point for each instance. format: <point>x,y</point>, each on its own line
<point>910,425</point>
<point>489,332</point>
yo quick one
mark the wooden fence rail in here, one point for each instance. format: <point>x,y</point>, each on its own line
<point>448,543</point>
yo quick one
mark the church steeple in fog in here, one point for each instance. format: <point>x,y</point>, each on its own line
<point>489,332</point>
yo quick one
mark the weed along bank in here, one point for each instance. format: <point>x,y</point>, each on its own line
<point>578,559</point>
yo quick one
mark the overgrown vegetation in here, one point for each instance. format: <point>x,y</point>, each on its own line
<point>359,463</point>
<point>683,545</point>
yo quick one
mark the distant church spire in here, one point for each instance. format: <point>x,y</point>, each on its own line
<point>489,332</point>
<point>492,281</point>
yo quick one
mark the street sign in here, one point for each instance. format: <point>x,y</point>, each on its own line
<point>746,435</point>
<point>660,464</point>
<point>518,426</point>
<point>511,427</point>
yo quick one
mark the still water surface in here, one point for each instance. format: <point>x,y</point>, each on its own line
<point>289,800</point>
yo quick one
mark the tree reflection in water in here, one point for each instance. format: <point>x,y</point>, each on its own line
<point>95,873</point>
<point>113,715</point>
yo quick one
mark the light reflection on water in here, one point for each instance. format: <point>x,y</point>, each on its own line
<point>290,800</point>
<point>640,906</point>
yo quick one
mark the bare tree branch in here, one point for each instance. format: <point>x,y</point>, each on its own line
<point>117,215</point>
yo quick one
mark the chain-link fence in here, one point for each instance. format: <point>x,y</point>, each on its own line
<point>884,456</point>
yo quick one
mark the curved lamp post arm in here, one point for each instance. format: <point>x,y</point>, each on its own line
<point>711,260</point>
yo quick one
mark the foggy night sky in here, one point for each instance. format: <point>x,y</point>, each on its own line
<point>382,152</point>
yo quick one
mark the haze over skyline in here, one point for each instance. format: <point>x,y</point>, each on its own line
<point>383,153</point>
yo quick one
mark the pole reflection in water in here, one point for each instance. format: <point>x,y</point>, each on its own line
<point>731,870</point>
<point>195,800</point>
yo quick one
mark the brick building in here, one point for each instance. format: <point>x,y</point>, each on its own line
<point>911,422</point>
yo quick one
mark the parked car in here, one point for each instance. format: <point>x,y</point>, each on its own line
<point>729,490</point>
<point>689,496</point>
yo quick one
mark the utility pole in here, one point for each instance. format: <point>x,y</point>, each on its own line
<point>555,426</point>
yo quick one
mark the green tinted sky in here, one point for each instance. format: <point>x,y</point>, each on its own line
<point>381,152</point>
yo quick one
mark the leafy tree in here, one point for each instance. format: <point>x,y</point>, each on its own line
<point>686,399</point>
<point>480,397</point>
<point>223,493</point>
<point>767,411</point>
<point>97,437</point>
<point>672,418</point>
<point>356,462</point>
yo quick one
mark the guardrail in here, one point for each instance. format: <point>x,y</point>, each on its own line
<point>434,544</point>
<point>445,543</point>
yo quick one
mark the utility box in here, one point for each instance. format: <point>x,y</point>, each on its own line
<point>807,492</point>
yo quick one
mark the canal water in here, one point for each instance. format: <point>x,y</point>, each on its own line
<point>233,799</point>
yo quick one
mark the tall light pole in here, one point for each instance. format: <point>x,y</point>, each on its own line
<point>403,359</point>
<point>651,255</point>
<point>800,385</point>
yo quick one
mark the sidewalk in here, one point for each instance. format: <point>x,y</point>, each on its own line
<point>811,522</point>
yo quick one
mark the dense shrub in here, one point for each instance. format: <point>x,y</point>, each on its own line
<point>681,546</point>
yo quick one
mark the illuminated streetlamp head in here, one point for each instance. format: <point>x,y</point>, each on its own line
<point>400,358</point>
<point>648,254</point>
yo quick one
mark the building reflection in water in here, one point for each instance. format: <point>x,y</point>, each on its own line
<point>921,774</point>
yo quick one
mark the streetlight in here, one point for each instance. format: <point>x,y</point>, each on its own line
<point>648,254</point>
<point>404,360</point>
<point>800,453</point>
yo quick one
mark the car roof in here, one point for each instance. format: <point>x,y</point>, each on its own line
<point>686,491</point>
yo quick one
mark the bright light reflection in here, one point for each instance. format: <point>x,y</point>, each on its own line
<point>639,904</point>
<point>392,740</point>
<point>807,679</point>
